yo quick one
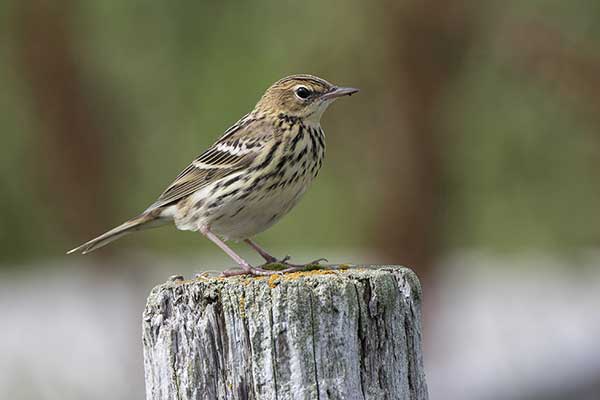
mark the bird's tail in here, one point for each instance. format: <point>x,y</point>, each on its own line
<point>142,221</point>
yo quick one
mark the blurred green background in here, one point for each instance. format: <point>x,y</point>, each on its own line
<point>476,125</point>
<point>476,128</point>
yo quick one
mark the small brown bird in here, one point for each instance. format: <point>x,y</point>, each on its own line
<point>249,178</point>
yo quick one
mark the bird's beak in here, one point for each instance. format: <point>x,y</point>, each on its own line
<point>338,92</point>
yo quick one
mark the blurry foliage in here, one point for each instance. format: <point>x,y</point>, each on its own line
<point>520,158</point>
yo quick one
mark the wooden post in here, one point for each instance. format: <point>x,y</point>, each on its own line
<point>346,334</point>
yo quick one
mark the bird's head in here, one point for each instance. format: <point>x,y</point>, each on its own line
<point>302,96</point>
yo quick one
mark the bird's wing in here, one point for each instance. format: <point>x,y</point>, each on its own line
<point>235,150</point>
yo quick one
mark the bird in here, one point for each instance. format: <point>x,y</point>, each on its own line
<point>252,176</point>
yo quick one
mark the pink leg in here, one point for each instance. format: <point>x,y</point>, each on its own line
<point>263,253</point>
<point>284,261</point>
<point>246,267</point>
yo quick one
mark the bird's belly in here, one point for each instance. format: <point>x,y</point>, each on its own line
<point>242,215</point>
<point>244,218</point>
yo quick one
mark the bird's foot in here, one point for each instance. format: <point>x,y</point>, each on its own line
<point>252,271</point>
<point>274,268</point>
<point>284,266</point>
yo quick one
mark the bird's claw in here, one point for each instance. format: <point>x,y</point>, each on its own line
<point>289,267</point>
<point>252,271</point>
<point>262,271</point>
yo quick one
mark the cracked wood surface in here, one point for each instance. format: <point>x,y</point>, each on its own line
<point>348,334</point>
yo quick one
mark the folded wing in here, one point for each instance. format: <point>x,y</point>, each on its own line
<point>234,151</point>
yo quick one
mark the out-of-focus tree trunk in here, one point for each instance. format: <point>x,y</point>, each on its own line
<point>569,68</point>
<point>70,159</point>
<point>427,43</point>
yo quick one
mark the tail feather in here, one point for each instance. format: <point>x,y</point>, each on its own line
<point>140,222</point>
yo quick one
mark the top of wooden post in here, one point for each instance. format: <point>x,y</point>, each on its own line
<point>411,288</point>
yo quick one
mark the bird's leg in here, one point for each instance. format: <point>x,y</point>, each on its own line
<point>246,268</point>
<point>284,261</point>
<point>264,254</point>
<point>239,260</point>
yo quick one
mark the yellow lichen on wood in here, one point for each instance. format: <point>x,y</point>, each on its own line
<point>305,274</point>
<point>243,306</point>
<point>273,280</point>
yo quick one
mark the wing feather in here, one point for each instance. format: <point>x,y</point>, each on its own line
<point>227,155</point>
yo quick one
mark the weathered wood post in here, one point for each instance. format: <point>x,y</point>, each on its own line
<point>346,334</point>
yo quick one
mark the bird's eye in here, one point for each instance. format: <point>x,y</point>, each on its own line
<point>302,92</point>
